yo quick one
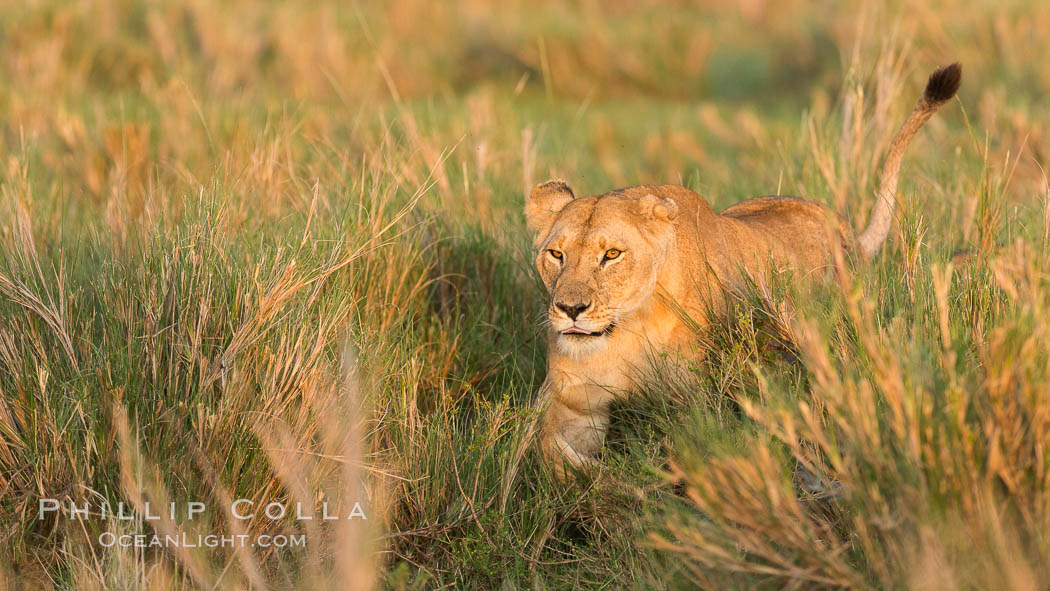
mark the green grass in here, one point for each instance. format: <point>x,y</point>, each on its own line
<point>276,252</point>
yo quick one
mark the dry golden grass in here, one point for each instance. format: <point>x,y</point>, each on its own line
<point>274,251</point>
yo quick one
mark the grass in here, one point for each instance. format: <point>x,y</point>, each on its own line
<point>276,252</point>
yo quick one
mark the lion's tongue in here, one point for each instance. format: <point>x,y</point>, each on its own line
<point>574,330</point>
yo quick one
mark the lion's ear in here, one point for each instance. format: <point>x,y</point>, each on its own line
<point>544,204</point>
<point>659,208</point>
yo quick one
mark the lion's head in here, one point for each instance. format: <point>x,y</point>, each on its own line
<point>599,257</point>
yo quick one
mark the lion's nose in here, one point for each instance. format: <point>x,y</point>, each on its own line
<point>572,310</point>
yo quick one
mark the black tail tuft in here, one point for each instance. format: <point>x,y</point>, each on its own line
<point>943,84</point>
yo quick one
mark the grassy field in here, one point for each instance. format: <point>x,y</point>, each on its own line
<point>275,251</point>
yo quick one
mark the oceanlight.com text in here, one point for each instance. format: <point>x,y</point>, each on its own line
<point>110,540</point>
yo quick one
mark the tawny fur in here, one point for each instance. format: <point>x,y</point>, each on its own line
<point>677,256</point>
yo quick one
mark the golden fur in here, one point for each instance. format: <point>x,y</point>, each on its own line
<point>623,268</point>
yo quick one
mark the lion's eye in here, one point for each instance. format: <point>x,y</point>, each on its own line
<point>613,253</point>
<point>555,253</point>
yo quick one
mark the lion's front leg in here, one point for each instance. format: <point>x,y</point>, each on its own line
<point>574,427</point>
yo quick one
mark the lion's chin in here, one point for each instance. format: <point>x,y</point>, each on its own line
<point>580,347</point>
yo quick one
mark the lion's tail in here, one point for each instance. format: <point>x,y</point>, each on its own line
<point>940,89</point>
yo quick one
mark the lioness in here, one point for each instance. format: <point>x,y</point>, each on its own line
<point>622,268</point>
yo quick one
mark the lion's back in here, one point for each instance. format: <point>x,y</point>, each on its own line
<point>806,231</point>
